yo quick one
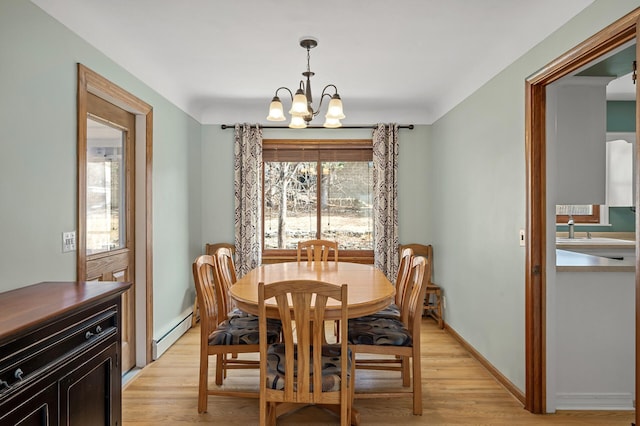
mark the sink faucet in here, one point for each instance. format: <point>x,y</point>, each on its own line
<point>570,223</point>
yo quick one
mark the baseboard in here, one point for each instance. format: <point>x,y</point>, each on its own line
<point>500,378</point>
<point>622,401</point>
<point>161,345</point>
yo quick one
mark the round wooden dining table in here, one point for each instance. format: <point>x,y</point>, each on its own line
<point>369,290</point>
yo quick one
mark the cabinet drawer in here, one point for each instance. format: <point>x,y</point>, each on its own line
<point>34,354</point>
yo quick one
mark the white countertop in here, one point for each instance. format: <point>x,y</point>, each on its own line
<point>571,261</point>
<point>600,242</point>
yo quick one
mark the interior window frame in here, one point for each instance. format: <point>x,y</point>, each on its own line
<point>593,218</point>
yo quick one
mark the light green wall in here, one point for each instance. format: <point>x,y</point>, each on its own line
<point>476,202</point>
<point>217,178</point>
<point>38,59</point>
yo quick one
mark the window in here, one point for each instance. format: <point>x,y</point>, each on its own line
<point>106,199</point>
<point>588,213</point>
<point>318,189</point>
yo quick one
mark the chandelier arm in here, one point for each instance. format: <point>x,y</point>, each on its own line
<point>325,93</point>
<point>287,89</point>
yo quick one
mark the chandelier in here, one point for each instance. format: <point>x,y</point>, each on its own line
<point>302,111</point>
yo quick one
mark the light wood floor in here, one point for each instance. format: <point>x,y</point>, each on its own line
<point>457,390</point>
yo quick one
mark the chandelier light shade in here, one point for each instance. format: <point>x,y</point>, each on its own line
<point>302,111</point>
<point>276,113</point>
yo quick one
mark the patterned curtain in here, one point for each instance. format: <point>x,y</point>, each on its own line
<point>248,192</point>
<point>385,200</point>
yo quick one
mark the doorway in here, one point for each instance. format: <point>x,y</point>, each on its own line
<point>114,202</point>
<point>602,43</point>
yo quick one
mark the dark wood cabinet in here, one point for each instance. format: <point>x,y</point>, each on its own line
<point>60,354</point>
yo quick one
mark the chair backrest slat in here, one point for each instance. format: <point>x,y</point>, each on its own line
<point>225,274</point>
<point>318,250</point>
<point>417,288</point>
<point>406,255</point>
<point>303,301</point>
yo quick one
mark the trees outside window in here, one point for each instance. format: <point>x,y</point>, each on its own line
<point>318,189</point>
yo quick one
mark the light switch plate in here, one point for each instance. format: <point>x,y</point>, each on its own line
<point>522,238</point>
<point>68,241</point>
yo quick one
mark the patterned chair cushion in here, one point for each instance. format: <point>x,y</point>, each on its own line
<point>330,367</point>
<point>391,312</point>
<point>379,331</point>
<point>244,330</point>
<point>237,313</point>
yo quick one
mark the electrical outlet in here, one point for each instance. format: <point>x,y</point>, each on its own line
<point>68,241</point>
<point>522,238</point>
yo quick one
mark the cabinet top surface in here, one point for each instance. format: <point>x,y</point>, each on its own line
<point>570,261</point>
<point>26,307</point>
<point>598,242</point>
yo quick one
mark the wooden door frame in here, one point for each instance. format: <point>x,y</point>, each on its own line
<point>91,82</point>
<point>613,36</point>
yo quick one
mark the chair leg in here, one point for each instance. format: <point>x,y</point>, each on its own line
<point>271,414</point>
<point>195,315</point>
<point>434,310</point>
<point>263,410</point>
<point>203,383</point>
<point>219,368</point>
<point>416,382</point>
<point>352,392</point>
<point>405,372</point>
<point>439,308</point>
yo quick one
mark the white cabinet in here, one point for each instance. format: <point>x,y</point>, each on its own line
<point>620,149</point>
<point>576,126</point>
<point>595,340</point>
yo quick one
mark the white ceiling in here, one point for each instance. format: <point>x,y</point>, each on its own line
<point>407,61</point>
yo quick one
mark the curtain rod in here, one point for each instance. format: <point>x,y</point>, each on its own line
<point>371,126</point>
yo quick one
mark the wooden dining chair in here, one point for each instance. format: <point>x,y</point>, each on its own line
<point>318,250</point>
<point>303,369</point>
<point>396,338</point>
<point>433,306</point>
<point>221,335</point>
<point>210,249</point>
<point>394,310</point>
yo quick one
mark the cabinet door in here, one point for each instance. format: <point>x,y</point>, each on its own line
<point>620,155</point>
<point>577,117</point>
<point>87,393</point>
<point>39,409</point>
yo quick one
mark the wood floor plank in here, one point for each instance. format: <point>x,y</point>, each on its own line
<point>457,390</point>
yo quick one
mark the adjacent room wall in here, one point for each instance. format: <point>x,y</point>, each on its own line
<point>38,184</point>
<point>476,204</point>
